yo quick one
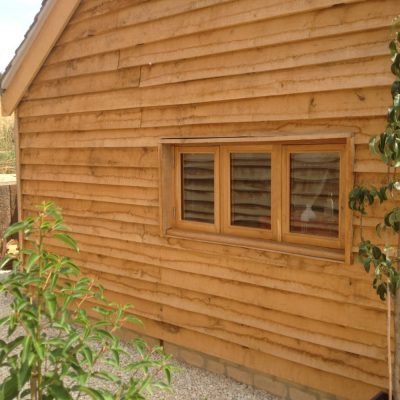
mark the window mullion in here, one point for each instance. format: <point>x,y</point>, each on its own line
<point>218,189</point>
<point>276,192</point>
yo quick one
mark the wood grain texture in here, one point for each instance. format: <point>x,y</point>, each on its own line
<point>329,22</point>
<point>127,75</point>
<point>217,17</point>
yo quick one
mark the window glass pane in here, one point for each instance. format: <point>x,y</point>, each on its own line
<point>314,193</point>
<point>198,187</point>
<point>251,190</point>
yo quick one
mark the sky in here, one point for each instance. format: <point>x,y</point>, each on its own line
<point>16,17</point>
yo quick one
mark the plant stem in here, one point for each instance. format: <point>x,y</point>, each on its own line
<point>396,369</point>
<point>389,337</point>
<point>361,227</point>
<point>39,305</point>
<point>396,372</point>
<point>33,382</point>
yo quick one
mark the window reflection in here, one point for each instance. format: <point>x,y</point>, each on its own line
<point>314,193</point>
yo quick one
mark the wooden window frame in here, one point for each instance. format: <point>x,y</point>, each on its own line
<point>196,225</point>
<point>226,226</point>
<point>279,238</point>
<point>301,238</point>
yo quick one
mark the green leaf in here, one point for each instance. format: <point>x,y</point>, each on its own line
<point>32,260</point>
<point>104,334</point>
<point>94,394</point>
<point>68,240</point>
<point>17,227</point>
<point>74,337</point>
<point>102,310</point>
<point>376,252</point>
<point>15,343</point>
<point>88,355</point>
<point>51,303</point>
<point>26,348</point>
<point>59,392</point>
<point>134,320</point>
<point>107,376</point>
<point>9,388</point>
<point>5,261</point>
<point>24,373</point>
<point>39,348</point>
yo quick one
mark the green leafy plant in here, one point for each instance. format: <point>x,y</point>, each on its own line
<point>54,349</point>
<point>383,259</point>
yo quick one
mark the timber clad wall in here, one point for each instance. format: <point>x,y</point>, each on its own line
<point>127,72</point>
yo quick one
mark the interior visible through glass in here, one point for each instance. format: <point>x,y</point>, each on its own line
<point>251,190</point>
<point>198,187</point>
<point>314,193</point>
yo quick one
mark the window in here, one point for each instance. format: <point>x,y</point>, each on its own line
<point>289,193</point>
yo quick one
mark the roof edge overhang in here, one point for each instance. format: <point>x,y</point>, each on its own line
<point>32,53</point>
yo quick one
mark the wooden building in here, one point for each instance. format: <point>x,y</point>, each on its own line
<point>202,152</point>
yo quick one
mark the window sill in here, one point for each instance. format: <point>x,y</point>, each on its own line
<point>257,244</point>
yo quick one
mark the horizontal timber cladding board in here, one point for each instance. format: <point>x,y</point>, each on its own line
<point>348,103</point>
<point>100,82</point>
<point>330,360</point>
<point>126,13</point>
<point>283,56</point>
<point>280,56</point>
<point>368,162</point>
<point>137,177</point>
<point>143,157</point>
<point>344,281</point>
<point>277,298</point>
<point>379,210</point>
<point>91,8</point>
<point>345,75</point>
<point>97,209</point>
<point>370,166</point>
<point>339,286</point>
<point>344,387</point>
<point>88,65</point>
<point>338,290</point>
<point>104,139</point>
<point>328,335</point>
<point>376,179</point>
<point>122,119</point>
<point>318,24</point>
<point>222,309</point>
<point>129,231</point>
<point>47,132</point>
<point>83,191</point>
<point>369,233</point>
<point>255,359</point>
<point>66,129</point>
<point>139,10</point>
<point>367,220</point>
<point>220,17</point>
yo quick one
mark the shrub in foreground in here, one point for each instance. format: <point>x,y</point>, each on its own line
<point>53,348</point>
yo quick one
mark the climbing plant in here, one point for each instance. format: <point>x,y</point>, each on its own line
<point>381,256</point>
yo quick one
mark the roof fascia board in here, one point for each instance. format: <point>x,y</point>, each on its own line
<point>34,51</point>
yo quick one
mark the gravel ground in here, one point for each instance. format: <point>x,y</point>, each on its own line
<point>189,383</point>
